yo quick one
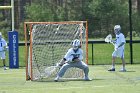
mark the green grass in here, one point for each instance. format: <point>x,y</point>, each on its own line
<point>21,57</point>
<point>101,54</point>
<point>13,81</point>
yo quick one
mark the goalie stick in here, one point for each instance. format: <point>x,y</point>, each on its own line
<point>53,70</point>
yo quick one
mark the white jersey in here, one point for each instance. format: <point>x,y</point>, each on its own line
<point>74,54</point>
<point>2,44</point>
<point>119,39</point>
<point>120,51</point>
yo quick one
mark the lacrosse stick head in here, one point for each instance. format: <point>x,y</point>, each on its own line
<point>108,38</point>
<point>53,70</point>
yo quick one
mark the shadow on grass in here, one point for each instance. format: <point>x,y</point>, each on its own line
<point>67,80</point>
<point>130,71</point>
<point>127,71</point>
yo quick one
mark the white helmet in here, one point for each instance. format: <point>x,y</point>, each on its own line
<point>76,44</point>
<point>117,29</point>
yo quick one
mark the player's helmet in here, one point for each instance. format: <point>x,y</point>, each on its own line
<point>117,29</point>
<point>76,44</point>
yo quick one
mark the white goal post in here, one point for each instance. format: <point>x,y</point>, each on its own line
<point>12,12</point>
<point>46,44</point>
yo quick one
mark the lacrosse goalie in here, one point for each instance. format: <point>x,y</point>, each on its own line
<point>119,44</point>
<point>73,58</point>
<point>3,48</point>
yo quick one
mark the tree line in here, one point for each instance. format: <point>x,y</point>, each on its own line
<point>101,15</point>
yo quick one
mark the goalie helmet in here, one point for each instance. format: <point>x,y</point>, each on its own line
<point>76,44</point>
<point>117,29</point>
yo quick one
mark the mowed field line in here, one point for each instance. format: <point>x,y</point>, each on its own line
<point>13,81</point>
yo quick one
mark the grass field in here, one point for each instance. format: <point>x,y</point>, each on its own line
<point>13,81</point>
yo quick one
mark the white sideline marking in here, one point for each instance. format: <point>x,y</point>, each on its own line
<point>98,86</point>
<point>79,87</point>
<point>87,87</point>
<point>11,73</point>
<point>70,88</point>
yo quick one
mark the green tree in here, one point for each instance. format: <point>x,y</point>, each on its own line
<point>5,19</point>
<point>44,11</point>
<point>38,13</point>
<point>107,13</point>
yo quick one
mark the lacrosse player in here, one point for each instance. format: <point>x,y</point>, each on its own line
<point>3,48</point>
<point>119,45</point>
<point>73,58</point>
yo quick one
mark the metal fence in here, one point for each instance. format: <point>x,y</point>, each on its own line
<point>102,55</point>
<point>131,56</point>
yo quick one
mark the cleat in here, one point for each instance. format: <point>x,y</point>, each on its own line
<point>5,68</point>
<point>123,70</point>
<point>112,69</point>
<point>87,79</point>
<point>56,79</point>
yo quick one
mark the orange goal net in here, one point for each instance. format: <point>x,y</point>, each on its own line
<point>46,44</point>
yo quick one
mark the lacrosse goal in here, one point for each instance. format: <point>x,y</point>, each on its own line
<point>46,44</point>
